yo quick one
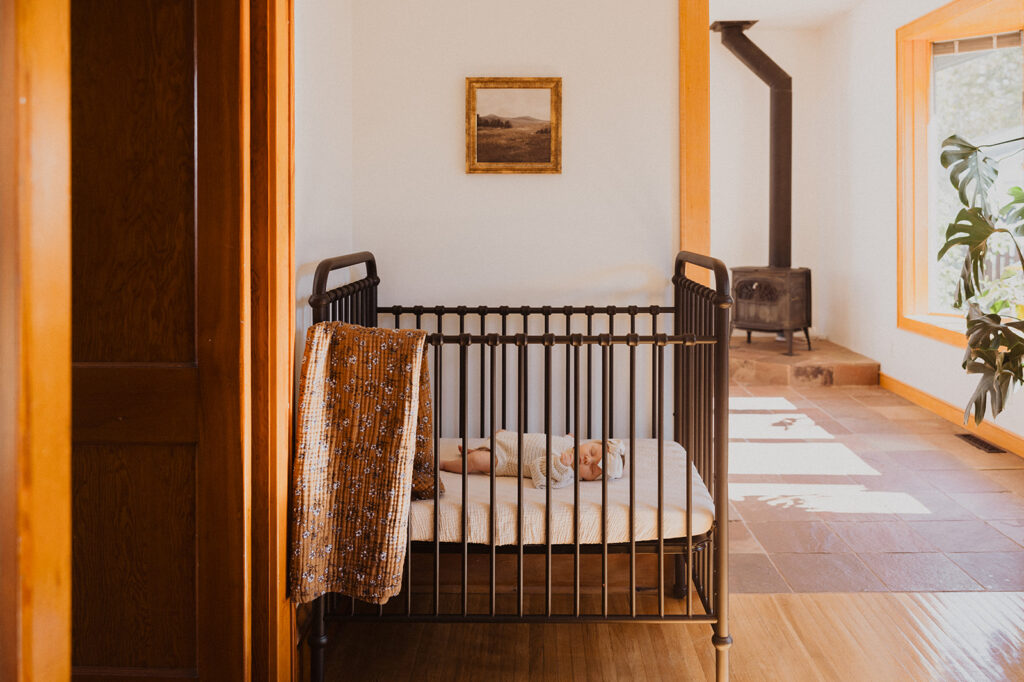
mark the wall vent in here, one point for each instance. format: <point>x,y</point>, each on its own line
<point>979,443</point>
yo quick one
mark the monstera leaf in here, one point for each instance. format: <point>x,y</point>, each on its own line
<point>971,229</point>
<point>995,351</point>
<point>970,171</point>
<point>1013,212</point>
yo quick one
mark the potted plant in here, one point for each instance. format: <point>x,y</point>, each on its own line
<point>995,306</point>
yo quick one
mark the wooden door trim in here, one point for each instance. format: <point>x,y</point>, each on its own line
<point>35,340</point>
<point>694,128</point>
<point>223,331</point>
<point>272,321</point>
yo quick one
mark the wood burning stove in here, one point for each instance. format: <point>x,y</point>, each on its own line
<point>773,299</point>
<point>777,297</point>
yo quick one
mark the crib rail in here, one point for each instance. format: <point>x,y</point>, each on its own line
<point>481,356</point>
<point>355,302</point>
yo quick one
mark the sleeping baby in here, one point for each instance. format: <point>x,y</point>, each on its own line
<point>478,460</point>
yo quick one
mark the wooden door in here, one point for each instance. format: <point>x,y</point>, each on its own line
<point>35,326</point>
<point>160,339</point>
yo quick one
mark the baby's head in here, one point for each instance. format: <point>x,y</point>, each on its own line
<point>591,456</point>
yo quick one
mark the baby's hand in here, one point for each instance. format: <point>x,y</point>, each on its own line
<point>567,457</point>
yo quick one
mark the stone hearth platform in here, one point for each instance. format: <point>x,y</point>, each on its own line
<point>762,362</point>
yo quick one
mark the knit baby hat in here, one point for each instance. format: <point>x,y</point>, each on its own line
<point>614,461</point>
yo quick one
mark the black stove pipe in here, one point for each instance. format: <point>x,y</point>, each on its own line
<point>780,187</point>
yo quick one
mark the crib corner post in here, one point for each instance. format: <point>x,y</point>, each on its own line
<point>721,639</point>
<point>722,642</point>
<point>317,641</point>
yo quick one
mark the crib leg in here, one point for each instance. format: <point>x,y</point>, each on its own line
<point>682,579</point>
<point>722,644</point>
<point>317,642</point>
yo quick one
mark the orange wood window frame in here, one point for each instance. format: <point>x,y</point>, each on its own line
<point>958,19</point>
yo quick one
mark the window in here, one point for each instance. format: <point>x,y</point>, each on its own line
<point>960,70</point>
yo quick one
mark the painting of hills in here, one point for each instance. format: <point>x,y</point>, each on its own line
<point>513,125</point>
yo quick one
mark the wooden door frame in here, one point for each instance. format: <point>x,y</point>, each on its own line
<point>273,244</point>
<point>223,270</point>
<point>695,129</point>
<point>273,342</point>
<point>35,340</point>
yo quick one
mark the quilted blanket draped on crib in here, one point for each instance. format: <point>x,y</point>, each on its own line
<point>364,417</point>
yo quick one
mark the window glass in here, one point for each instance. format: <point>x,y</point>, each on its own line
<point>978,94</point>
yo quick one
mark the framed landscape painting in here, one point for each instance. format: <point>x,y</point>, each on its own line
<point>513,125</point>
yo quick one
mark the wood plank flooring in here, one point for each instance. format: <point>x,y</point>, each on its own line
<point>875,636</point>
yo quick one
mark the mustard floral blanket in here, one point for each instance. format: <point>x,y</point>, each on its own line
<point>364,417</point>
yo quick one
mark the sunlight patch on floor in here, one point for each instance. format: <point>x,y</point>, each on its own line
<point>839,499</point>
<point>776,426</point>
<point>797,459</point>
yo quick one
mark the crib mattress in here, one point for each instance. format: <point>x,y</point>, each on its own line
<point>645,511</point>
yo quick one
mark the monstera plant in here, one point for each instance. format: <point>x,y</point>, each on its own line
<point>995,330</point>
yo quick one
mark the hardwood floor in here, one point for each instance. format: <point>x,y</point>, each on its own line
<point>876,636</point>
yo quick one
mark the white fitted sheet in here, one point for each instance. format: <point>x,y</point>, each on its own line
<point>646,507</point>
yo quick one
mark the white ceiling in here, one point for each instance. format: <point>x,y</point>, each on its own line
<point>781,13</point>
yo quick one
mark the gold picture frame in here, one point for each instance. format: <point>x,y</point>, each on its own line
<point>506,130</point>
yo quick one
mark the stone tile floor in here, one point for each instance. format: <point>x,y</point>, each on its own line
<point>854,489</point>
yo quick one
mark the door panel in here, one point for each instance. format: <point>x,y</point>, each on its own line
<point>134,563</point>
<point>160,474</point>
<point>133,181</point>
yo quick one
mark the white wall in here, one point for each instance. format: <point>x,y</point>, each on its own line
<point>603,231</point>
<point>323,143</point>
<point>740,152</point>
<point>857,249</point>
<point>380,151</point>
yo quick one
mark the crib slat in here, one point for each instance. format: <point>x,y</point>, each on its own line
<point>483,376</point>
<point>547,464</point>
<point>576,479</point>
<point>520,421</point>
<point>685,577</point>
<point>605,355</point>
<point>438,417</point>
<point>494,461</point>
<point>692,444</point>
<point>504,368</point>
<point>464,435</point>
<point>632,475</point>
<point>526,368</point>
<point>590,375</point>
<point>659,352</point>
<point>568,378</point>
<point>611,374</point>
<point>654,376</point>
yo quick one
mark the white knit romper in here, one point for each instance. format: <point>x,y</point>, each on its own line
<point>534,461</point>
